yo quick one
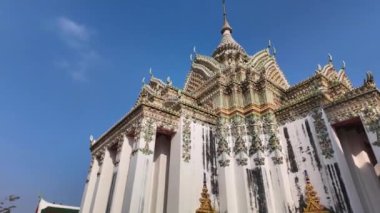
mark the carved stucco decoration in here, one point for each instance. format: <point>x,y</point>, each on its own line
<point>256,148</point>
<point>240,149</point>
<point>277,159</point>
<point>223,149</point>
<point>273,143</point>
<point>273,146</point>
<point>322,134</point>
<point>100,155</point>
<point>256,144</point>
<point>147,129</point>
<point>186,139</point>
<point>90,168</point>
<point>149,132</point>
<point>259,161</point>
<point>371,118</point>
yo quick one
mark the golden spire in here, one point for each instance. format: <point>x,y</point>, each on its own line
<point>205,206</point>
<point>312,200</point>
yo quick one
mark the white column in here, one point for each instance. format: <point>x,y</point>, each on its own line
<point>227,185</point>
<point>139,181</point>
<point>161,158</point>
<point>101,197</point>
<point>122,173</point>
<point>227,193</point>
<point>241,187</point>
<point>174,187</point>
<point>90,186</point>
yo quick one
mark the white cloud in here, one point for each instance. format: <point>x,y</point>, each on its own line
<point>83,56</point>
<point>72,29</point>
<point>79,67</point>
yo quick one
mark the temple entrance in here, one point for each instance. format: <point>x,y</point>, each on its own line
<point>161,162</point>
<point>361,161</point>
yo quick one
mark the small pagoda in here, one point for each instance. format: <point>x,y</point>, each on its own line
<point>205,201</point>
<point>312,200</point>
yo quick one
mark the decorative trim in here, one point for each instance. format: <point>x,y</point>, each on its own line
<point>100,155</point>
<point>278,160</point>
<point>149,132</point>
<point>224,163</point>
<point>240,149</point>
<point>270,126</point>
<point>371,118</point>
<point>322,134</point>
<point>273,143</point>
<point>186,139</point>
<point>223,149</point>
<point>259,161</point>
<point>256,144</point>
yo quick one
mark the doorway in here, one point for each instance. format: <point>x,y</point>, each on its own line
<point>361,161</point>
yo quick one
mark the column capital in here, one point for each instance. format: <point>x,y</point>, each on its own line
<point>99,155</point>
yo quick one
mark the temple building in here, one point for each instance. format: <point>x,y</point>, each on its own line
<point>239,138</point>
<point>47,207</point>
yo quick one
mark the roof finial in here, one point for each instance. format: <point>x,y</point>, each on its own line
<point>226,26</point>
<point>224,9</point>
<point>330,58</point>
<point>150,72</point>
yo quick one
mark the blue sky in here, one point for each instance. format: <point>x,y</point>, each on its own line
<point>72,68</point>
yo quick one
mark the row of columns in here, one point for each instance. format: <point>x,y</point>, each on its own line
<point>149,177</point>
<point>96,196</point>
<point>133,189</point>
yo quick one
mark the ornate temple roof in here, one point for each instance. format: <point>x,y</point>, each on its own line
<point>230,67</point>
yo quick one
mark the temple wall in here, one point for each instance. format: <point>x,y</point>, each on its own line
<point>300,139</point>
<point>186,174</point>
<point>343,189</point>
<point>306,144</point>
<point>271,179</point>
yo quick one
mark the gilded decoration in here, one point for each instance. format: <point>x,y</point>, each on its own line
<point>186,139</point>
<point>205,206</point>
<point>312,200</point>
<point>322,134</point>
